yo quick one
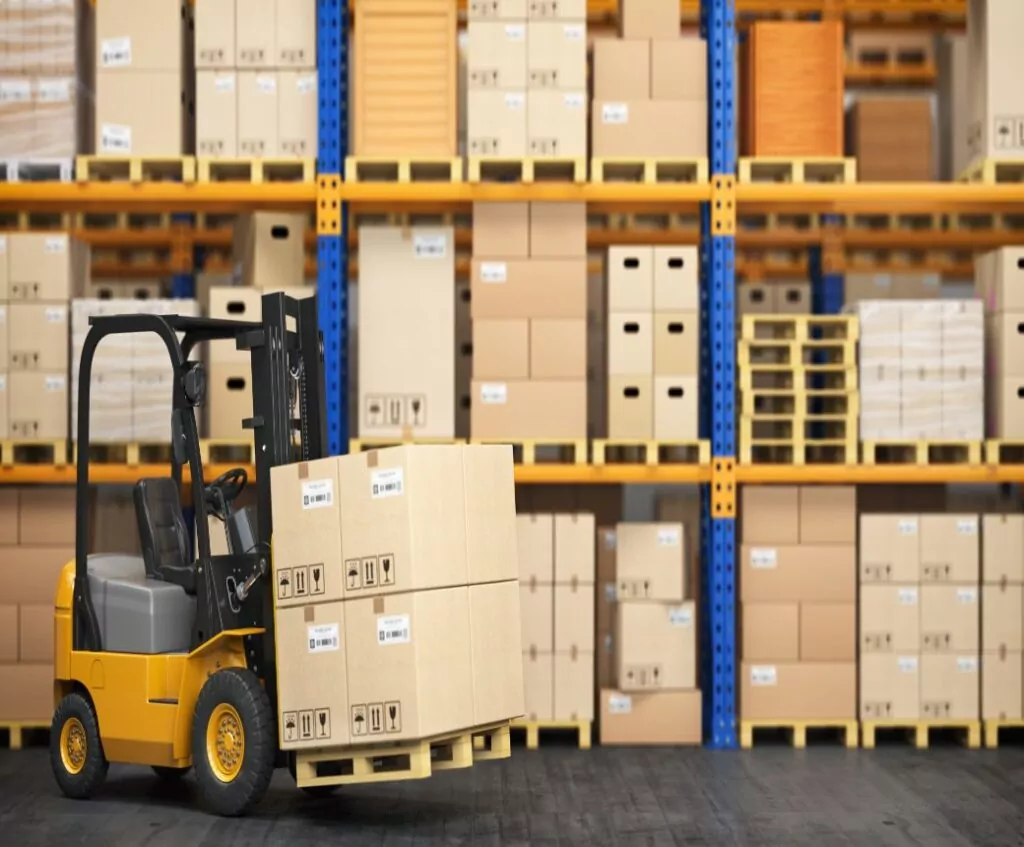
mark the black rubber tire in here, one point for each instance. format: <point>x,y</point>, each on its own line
<point>241,690</point>
<point>170,774</point>
<point>81,785</point>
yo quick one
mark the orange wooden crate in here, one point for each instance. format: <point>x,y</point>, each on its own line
<point>791,89</point>
<point>406,78</point>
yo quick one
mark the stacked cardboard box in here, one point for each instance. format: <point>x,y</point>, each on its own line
<point>397,595</point>
<point>650,87</point>
<point>921,369</point>
<point>527,80</point>
<point>37,531</point>
<point>892,139</point>
<point>406,332</point>
<point>782,297</point>
<point>653,342</point>
<point>897,286</point>
<point>953,106</point>
<point>256,91</point>
<point>653,697</point>
<point>556,585</point>
<point>529,311</point>
<point>798,592</point>
<point>38,85</point>
<point>919,624</point>
<point>144,80</point>
<point>791,89</point>
<point>998,278</point>
<point>1002,613</point>
<point>996,129</point>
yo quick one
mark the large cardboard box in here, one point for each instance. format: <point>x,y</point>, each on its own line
<point>496,631</point>
<point>574,618</point>
<point>574,686</point>
<point>46,516</point>
<point>676,279</point>
<point>890,619</point>
<point>536,539</point>
<point>295,34</point>
<point>1002,549</point>
<point>557,55</point>
<point>631,407</point>
<point>215,34</point>
<point>656,645</point>
<point>297,104</point>
<point>828,632</point>
<point>229,401</point>
<point>501,230</point>
<point>26,693</point>
<point>539,686</point>
<point>890,548</point>
<point>890,686</point>
<point>993,63</point>
<point>529,409</point>
<point>537,604</point>
<point>1002,611</point>
<point>257,114</point>
<point>254,33</point>
<point>501,349</point>
<point>30,573</point>
<point>998,274</point>
<point>529,288</point>
<point>676,341</point>
<point>658,718</point>
<point>630,272</point>
<point>496,123</point>
<point>950,548</point>
<point>556,122</point>
<point>141,113</point>
<point>9,634</point>
<point>650,128</point>
<point>574,549</point>
<point>558,348</point>
<point>950,688</point>
<point>622,69</point>
<point>38,336</point>
<point>676,408</point>
<point>770,514</point>
<point>35,633</point>
<point>950,619</point>
<point>650,562</point>
<point>892,139</point>
<point>269,250</point>
<point>770,632</point>
<point>648,19</point>
<point>630,343</point>
<point>788,691</point>
<point>679,68</point>
<point>828,514</point>
<point>805,573</point>
<point>37,404</point>
<point>216,113</point>
<point>132,36</point>
<point>1001,686</point>
<point>558,230</point>
<point>44,266</point>
<point>496,55</point>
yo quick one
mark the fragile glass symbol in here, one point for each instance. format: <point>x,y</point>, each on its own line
<point>392,712</point>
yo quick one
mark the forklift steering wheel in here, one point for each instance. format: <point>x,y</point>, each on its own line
<point>224,490</point>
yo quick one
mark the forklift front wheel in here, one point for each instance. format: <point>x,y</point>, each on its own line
<point>76,752</point>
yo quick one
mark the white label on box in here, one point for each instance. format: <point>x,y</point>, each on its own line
<point>323,638</point>
<point>764,675</point>
<point>224,83</point>
<point>967,526</point>
<point>494,393</point>
<point>682,616</point>
<point>908,596</point>
<point>907,526</point>
<point>393,629</point>
<point>3,244</point>
<point>493,272</point>
<point>515,32</point>
<point>615,113</point>
<point>306,84</point>
<point>668,537</point>
<point>907,664</point>
<point>967,596</point>
<point>53,91</point>
<point>55,244</point>
<point>3,382</point>
<point>967,664</point>
<point>611,593</point>
<point>116,52</point>
<point>55,382</point>
<point>764,557</point>
<point>266,84</point>
<point>574,32</point>
<point>620,704</point>
<point>56,314</point>
<point>515,100</point>
<point>318,494</point>
<point>115,138</point>
<point>15,91</point>
<point>574,100</point>
<point>389,482</point>
<point>430,246</point>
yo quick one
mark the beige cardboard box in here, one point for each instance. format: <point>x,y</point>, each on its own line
<point>501,230</point>
<point>812,690</point>
<point>950,548</point>
<point>676,343</point>
<point>1001,686</point>
<point>30,573</point>
<point>558,348</point>
<point>46,516</point>
<point>215,34</point>
<point>1006,408</point>
<point>398,647</point>
<point>658,718</point>
<point>557,55</point>
<point>890,548</point>
<point>574,686</point>
<point>9,633</point>
<point>571,10</point>
<point>678,69</point>
<point>828,514</point>
<point>497,55</point>
<point>676,408</point>
<point>793,298</point>
<point>770,632</point>
<point>828,632</point>
<point>574,549</point>
<point>270,248</point>
<point>529,288</point>
<point>295,34</point>
<point>650,128</point>
<point>574,618</point>
<point>496,123</point>
<point>38,336</point>
<point>656,644</point>
<point>950,619</point>
<point>501,348</point>
<point>554,409</point>
<point>258,114</point>
<point>630,273</point>
<point>1005,334</point>
<point>890,619</point>
<point>622,69</point>
<point>141,37</point>
<point>1002,548</point>
<point>950,688</point>
<point>630,343</point>
<point>536,539</point>
<point>229,401</point>
<point>993,60</point>
<point>236,302</point>
<point>37,404</point>
<point>216,113</point>
<point>141,113</point>
<point>825,573</point>
<point>556,122</point>
<point>1002,610</point>
<point>890,686</point>
<point>496,624</point>
<point>35,641</point>
<point>297,104</point>
<point>676,279</point>
<point>539,686</point>
<point>254,33</point>
<point>631,407</point>
<point>650,561</point>
<point>491,530</point>
<point>43,266</point>
<point>649,19</point>
<point>998,273</point>
<point>558,230</point>
<point>26,693</point>
<point>770,514</point>
<point>10,514</point>
<point>537,603</point>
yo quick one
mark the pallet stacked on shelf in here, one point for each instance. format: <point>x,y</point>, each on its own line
<point>999,274</point>
<point>798,389</point>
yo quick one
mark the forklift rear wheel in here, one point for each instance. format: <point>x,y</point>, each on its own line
<point>170,774</point>
<point>233,742</point>
<point>76,752</point>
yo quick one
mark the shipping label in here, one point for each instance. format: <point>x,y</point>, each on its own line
<point>908,596</point>
<point>764,557</point>
<point>494,393</point>
<point>967,596</point>
<point>224,83</point>
<point>907,526</point>
<point>393,629</point>
<point>493,272</point>
<point>967,526</point>
<point>620,704</point>
<point>430,246</point>
<point>323,638</point>
<point>116,52</point>
<point>967,664</point>
<point>389,482</point>
<point>55,382</point>
<point>907,664</point>
<point>764,675</point>
<point>318,494</point>
<point>668,537</point>
<point>681,616</point>
<point>615,113</point>
<point>115,138</point>
<point>55,244</point>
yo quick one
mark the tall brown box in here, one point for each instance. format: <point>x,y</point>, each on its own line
<point>892,139</point>
<point>269,249</point>
<point>828,514</point>
<point>142,113</point>
<point>770,514</point>
<point>229,401</point>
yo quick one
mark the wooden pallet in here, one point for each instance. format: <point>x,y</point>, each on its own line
<point>256,170</point>
<point>985,221</point>
<point>227,451</point>
<point>503,169</point>
<point>403,169</point>
<point>134,221</point>
<point>15,734</point>
<point>795,354</point>
<point>633,451</point>
<point>492,743</point>
<point>679,223</point>
<point>649,170</point>
<point>543,451</point>
<point>800,328</point>
<point>797,169</point>
<point>992,171</point>
<point>33,451</point>
<point>1003,451</point>
<point>919,732</point>
<point>36,221</point>
<point>798,731</point>
<point>135,169</point>
<point>880,56</point>
<point>131,453</point>
<point>360,445</point>
<point>901,222</point>
<point>841,377</point>
<point>994,728</point>
<point>535,729</point>
<point>777,221</point>
<point>802,404</point>
<point>37,170</point>
<point>912,452</point>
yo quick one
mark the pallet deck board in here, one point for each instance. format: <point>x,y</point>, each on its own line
<point>919,732</point>
<point>255,171</point>
<point>135,169</point>
<point>227,451</point>
<point>403,169</point>
<point>650,452</point>
<point>994,171</point>
<point>569,169</point>
<point>649,170</point>
<point>921,452</point>
<point>543,451</point>
<point>994,728</point>
<point>34,451</point>
<point>798,731</point>
<point>37,170</point>
<point>797,169</point>
<point>17,732</point>
<point>536,730</point>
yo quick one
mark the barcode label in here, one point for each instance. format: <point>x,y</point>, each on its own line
<point>430,247</point>
<point>764,675</point>
<point>574,100</point>
<point>493,272</point>
<point>680,617</point>
<point>615,113</point>
<point>574,32</point>
<point>515,100</point>
<point>266,84</point>
<point>668,537</point>
<point>3,314</point>
<point>620,704</point>
<point>53,91</point>
<point>387,483</point>
<point>56,314</point>
<point>515,32</point>
<point>763,557</point>
<point>393,629</point>
<point>55,244</point>
<point>494,393</point>
<point>224,84</point>
<point>907,526</point>
<point>116,52</point>
<point>908,596</point>
<point>967,526</point>
<point>115,138</point>
<point>306,84</point>
<point>967,596</point>
<point>323,638</point>
<point>15,91</point>
<point>55,383</point>
<point>3,382</point>
<point>318,494</point>
<point>3,244</point>
<point>967,664</point>
<point>907,664</point>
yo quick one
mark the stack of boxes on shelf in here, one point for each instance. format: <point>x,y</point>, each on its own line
<point>896,286</point>
<point>527,80</point>
<point>998,278</point>
<point>921,369</point>
<point>653,695</point>
<point>529,312</point>
<point>256,82</point>
<point>919,617</point>
<point>653,343</point>
<point>38,90</point>
<point>414,631</point>
<point>780,297</point>
<point>798,594</point>
<point>556,585</point>
<point>1002,612</point>
<point>650,88</point>
<point>37,531</point>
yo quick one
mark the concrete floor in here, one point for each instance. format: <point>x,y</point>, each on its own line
<point>770,796</point>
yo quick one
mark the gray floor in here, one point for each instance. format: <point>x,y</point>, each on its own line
<point>770,796</point>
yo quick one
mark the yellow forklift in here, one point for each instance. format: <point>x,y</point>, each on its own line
<point>167,659</point>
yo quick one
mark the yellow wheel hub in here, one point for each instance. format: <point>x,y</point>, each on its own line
<point>225,742</point>
<point>73,746</point>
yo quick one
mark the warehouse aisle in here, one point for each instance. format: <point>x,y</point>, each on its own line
<point>774,796</point>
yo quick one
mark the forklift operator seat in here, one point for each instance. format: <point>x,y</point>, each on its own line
<point>166,550</point>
